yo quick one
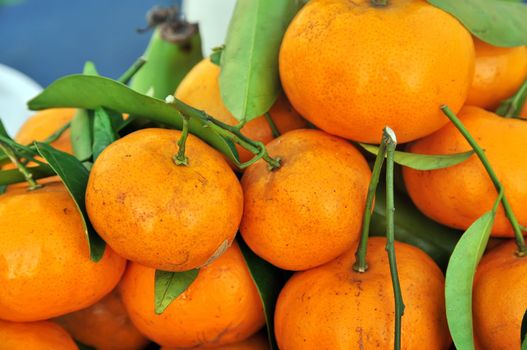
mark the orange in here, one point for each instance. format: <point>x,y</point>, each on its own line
<point>42,335</point>
<point>45,267</point>
<point>499,73</point>
<point>43,124</point>
<point>220,307</point>
<point>105,325</point>
<point>458,195</point>
<point>201,89</point>
<point>159,214</point>
<point>334,307</point>
<point>308,211</point>
<point>351,68</point>
<point>499,298</point>
<point>523,113</point>
<point>256,342</point>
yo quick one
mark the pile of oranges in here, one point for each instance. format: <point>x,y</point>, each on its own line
<point>348,69</point>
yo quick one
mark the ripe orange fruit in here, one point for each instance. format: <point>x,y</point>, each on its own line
<point>220,307</point>
<point>309,211</point>
<point>458,195</point>
<point>499,73</point>
<point>162,215</point>
<point>105,325</point>
<point>351,68</point>
<point>499,298</point>
<point>45,267</point>
<point>43,124</point>
<point>43,335</point>
<point>256,342</point>
<point>201,89</point>
<point>334,307</point>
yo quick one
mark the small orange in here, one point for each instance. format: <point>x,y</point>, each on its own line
<point>308,211</point>
<point>352,68</point>
<point>43,124</point>
<point>499,298</point>
<point>105,325</point>
<point>220,307</point>
<point>162,215</point>
<point>458,195</point>
<point>45,266</point>
<point>334,307</point>
<point>499,73</point>
<point>201,89</point>
<point>43,335</point>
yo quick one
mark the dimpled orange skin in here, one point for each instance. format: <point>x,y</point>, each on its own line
<point>308,211</point>
<point>105,325</point>
<point>221,306</point>
<point>201,89</point>
<point>499,73</point>
<point>45,266</point>
<point>163,215</point>
<point>43,335</point>
<point>256,342</point>
<point>334,307</point>
<point>43,124</point>
<point>458,195</point>
<point>499,298</point>
<point>351,68</point>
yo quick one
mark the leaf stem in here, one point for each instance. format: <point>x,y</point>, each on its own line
<point>21,167</point>
<point>274,130</point>
<point>520,242</point>
<point>360,255</point>
<point>181,158</point>
<point>130,72</point>
<point>55,136</point>
<point>391,143</point>
<point>228,132</point>
<point>511,107</point>
<point>379,3</point>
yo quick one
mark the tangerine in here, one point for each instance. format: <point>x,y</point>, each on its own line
<point>308,211</point>
<point>43,335</point>
<point>351,68</point>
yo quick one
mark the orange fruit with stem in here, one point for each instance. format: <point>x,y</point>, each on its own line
<point>45,266</point>
<point>308,211</point>
<point>200,89</point>
<point>43,124</point>
<point>458,195</point>
<point>104,325</point>
<point>43,335</point>
<point>499,73</point>
<point>162,215</point>
<point>222,305</point>
<point>334,307</point>
<point>353,67</point>
<point>499,298</point>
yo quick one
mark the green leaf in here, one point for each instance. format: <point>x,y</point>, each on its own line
<point>75,177</point>
<point>249,80</point>
<point>12,176</point>
<point>497,22</point>
<point>90,92</point>
<point>269,282</point>
<point>170,285</point>
<point>3,130</point>
<point>523,334</point>
<point>460,278</point>
<point>3,188</point>
<point>412,227</point>
<point>423,161</point>
<point>103,132</point>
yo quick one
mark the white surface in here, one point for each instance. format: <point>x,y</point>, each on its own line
<point>15,90</point>
<point>213,17</point>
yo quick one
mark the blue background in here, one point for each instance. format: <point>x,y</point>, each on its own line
<point>46,39</point>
